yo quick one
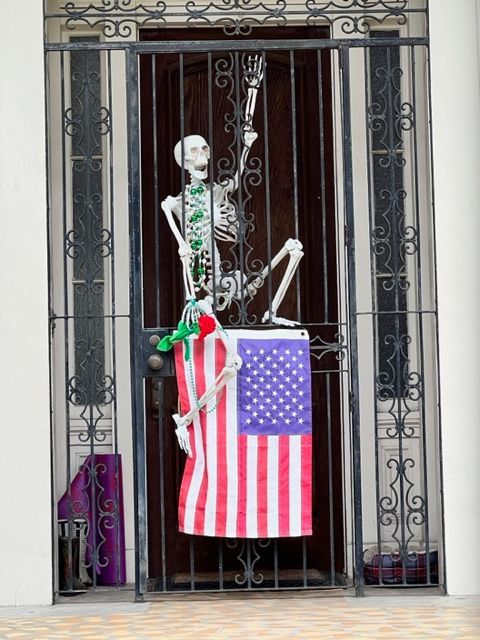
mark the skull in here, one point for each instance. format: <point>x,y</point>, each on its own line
<point>197,154</point>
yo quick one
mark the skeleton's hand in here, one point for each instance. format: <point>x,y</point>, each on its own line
<point>254,71</point>
<point>249,138</point>
<point>183,436</point>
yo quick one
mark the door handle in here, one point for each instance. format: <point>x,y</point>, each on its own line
<point>155,362</point>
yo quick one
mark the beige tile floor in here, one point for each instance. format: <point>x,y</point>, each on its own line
<point>308,618</point>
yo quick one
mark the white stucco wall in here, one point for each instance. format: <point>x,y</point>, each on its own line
<point>456,136</point>
<point>25,505</point>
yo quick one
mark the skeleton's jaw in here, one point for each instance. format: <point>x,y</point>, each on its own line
<point>198,173</point>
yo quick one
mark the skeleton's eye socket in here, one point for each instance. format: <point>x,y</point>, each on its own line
<point>205,148</point>
<point>193,150</point>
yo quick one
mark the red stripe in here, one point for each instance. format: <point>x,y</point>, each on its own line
<point>283,485</point>
<point>242,487</point>
<point>262,469</point>
<point>184,407</point>
<point>222,487</point>
<point>306,485</point>
<point>198,349</point>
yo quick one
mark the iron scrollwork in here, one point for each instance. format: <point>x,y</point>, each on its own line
<point>120,18</point>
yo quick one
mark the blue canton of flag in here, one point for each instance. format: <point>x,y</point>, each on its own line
<point>274,387</point>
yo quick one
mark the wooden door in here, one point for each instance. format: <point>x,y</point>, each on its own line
<point>290,193</point>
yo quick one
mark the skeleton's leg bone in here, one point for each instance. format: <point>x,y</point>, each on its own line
<point>294,248</point>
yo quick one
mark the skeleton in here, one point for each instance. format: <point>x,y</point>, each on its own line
<point>222,288</point>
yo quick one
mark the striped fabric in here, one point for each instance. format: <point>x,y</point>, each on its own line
<point>250,475</point>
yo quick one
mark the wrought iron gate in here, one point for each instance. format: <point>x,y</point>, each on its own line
<point>342,163</point>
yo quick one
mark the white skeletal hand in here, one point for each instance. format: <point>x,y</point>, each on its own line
<point>254,71</point>
<point>183,436</point>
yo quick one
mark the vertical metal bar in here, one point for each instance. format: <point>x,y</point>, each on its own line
<point>192,563</point>
<point>330,480</point>
<point>304,562</point>
<point>295,171</point>
<point>181,81</point>
<point>66,320</point>
<point>136,317</point>
<point>420,315</point>
<point>113,311</point>
<point>220,564</point>
<point>241,213</point>
<point>352,316</point>
<point>211,142</point>
<point>374,316</point>
<point>323,193</point>
<point>161,436</point>
<point>267,184</point>
<point>275,562</point>
<point>156,208</point>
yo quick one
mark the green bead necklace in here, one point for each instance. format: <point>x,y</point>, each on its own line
<point>197,232</point>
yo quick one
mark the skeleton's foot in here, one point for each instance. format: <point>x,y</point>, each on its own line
<point>182,434</point>
<point>274,319</point>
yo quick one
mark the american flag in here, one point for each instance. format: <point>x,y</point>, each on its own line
<point>250,475</point>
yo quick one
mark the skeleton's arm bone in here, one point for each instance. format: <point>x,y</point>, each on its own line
<point>184,249</point>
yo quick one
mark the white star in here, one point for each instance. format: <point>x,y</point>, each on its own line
<point>287,378</point>
<point>261,420</point>
<point>255,386</point>
<point>274,393</point>
<point>248,407</point>
<point>255,414</point>
<point>274,379</point>
<point>294,414</point>
<point>262,393</point>
<point>294,358</point>
<point>275,351</point>
<point>294,373</point>
<point>248,393</point>
<point>248,421</point>
<point>262,365</point>
<point>248,365</point>
<point>300,392</point>
<point>287,392</point>
<point>300,352</point>
<point>287,420</point>
<point>255,358</point>
<point>262,379</point>
<point>287,365</point>
<point>287,351</point>
<point>294,399</point>
<point>262,351</point>
<point>255,400</point>
<point>275,365</point>
<point>281,358</point>
<point>268,414</point>
<point>255,372</point>
<point>248,379</point>
<point>268,372</point>
<point>282,372</point>
<point>281,414</point>
<point>300,379</point>
<point>268,400</point>
<point>294,386</point>
<point>268,386</point>
<point>281,386</point>
<point>300,365</point>
<point>301,420</point>
<point>282,400</point>
<point>248,351</point>
<point>274,408</point>
<point>268,358</point>
<point>287,407</point>
<point>300,407</point>
<point>274,420</point>
<point>262,407</point>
